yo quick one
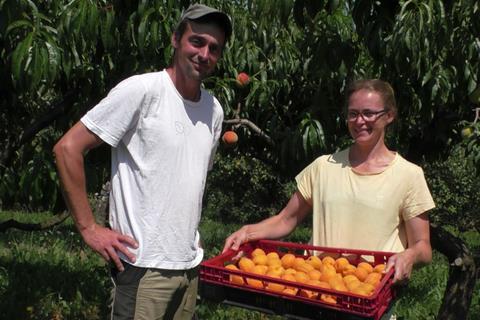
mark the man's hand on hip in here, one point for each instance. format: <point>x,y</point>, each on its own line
<point>107,243</point>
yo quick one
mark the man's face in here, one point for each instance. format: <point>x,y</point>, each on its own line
<point>198,50</point>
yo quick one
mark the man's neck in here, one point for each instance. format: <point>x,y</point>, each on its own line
<point>189,89</point>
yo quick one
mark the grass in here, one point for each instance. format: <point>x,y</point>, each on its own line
<point>51,274</point>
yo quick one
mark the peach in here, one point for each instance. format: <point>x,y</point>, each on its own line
<point>243,79</point>
<point>230,137</point>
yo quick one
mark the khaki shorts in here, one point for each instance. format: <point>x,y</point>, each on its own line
<point>148,293</point>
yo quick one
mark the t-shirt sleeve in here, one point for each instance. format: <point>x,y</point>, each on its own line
<point>418,198</point>
<point>118,112</point>
<point>305,181</point>
<point>217,131</point>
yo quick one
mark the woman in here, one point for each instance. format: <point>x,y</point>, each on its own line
<point>364,197</point>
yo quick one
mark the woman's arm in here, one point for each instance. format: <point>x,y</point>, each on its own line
<point>419,250</point>
<point>275,227</point>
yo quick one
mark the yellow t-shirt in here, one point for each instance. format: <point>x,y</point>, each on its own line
<point>363,211</point>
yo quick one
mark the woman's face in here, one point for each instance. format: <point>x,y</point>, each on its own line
<point>367,117</point>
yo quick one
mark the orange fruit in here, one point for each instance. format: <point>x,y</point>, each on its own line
<point>361,273</point>
<point>328,260</point>
<point>273,255</point>
<point>289,277</point>
<point>274,262</point>
<point>314,274</point>
<point>368,288</point>
<point>349,269</point>
<point>328,272</point>
<point>255,283</point>
<point>367,266</point>
<point>230,137</point>
<point>350,277</point>
<point>313,282</point>
<point>298,262</point>
<point>245,264</point>
<point>305,267</point>
<point>373,278</point>
<point>380,268</point>
<point>315,262</point>
<point>320,284</point>
<point>259,269</point>
<point>260,259</point>
<point>338,285</point>
<point>364,289</point>
<point>290,291</point>
<point>351,285</point>
<point>287,260</point>
<point>311,294</point>
<point>275,270</point>
<point>273,286</point>
<point>360,290</point>
<point>341,263</point>
<point>308,294</point>
<point>234,278</point>
<point>257,252</point>
<point>328,298</point>
<point>301,276</point>
<point>290,271</point>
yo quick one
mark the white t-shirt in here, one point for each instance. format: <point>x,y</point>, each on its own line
<point>163,146</point>
<point>363,211</point>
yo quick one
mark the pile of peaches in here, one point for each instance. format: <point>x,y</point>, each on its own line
<point>326,272</point>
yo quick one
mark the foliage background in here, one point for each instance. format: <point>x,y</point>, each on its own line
<point>59,58</point>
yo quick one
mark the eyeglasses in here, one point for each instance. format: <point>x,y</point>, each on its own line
<point>367,115</point>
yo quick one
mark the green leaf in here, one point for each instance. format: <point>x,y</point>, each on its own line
<point>142,32</point>
<point>18,24</point>
<point>38,65</point>
<point>20,55</point>
<point>54,60</point>
<point>106,30</point>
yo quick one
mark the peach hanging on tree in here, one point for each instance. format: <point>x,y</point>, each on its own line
<point>230,137</point>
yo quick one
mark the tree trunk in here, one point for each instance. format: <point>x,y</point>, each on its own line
<point>462,274</point>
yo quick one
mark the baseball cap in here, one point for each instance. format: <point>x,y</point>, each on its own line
<point>197,11</point>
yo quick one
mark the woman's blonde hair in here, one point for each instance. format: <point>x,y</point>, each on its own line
<point>383,88</point>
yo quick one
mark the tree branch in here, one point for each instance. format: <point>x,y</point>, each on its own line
<point>462,274</point>
<point>55,220</point>
<point>32,129</point>
<point>253,127</point>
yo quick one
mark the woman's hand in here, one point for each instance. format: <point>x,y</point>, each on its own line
<point>403,263</point>
<point>236,239</point>
<point>419,250</point>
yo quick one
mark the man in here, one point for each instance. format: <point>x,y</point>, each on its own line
<point>163,130</point>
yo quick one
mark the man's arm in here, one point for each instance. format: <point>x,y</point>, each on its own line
<point>275,227</point>
<point>419,250</point>
<point>69,154</point>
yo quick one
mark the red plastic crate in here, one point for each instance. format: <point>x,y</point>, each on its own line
<point>215,284</point>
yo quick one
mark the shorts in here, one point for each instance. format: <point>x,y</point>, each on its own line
<point>149,293</point>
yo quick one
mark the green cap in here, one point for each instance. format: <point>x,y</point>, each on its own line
<point>197,11</point>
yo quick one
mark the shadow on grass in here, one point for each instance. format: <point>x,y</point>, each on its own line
<point>41,290</point>
<point>59,281</point>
